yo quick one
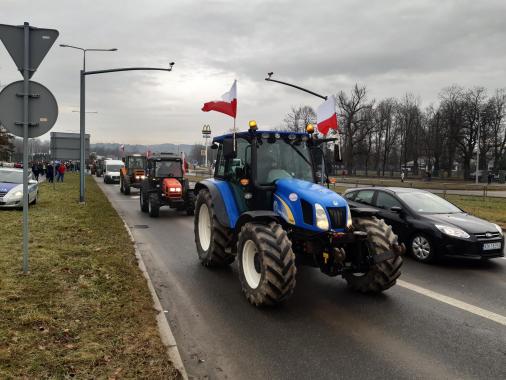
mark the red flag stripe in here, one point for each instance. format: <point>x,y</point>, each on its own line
<point>328,124</point>
<point>229,109</point>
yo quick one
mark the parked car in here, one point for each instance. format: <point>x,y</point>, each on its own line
<point>429,225</point>
<point>11,188</point>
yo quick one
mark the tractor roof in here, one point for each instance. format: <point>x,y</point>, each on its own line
<point>247,134</point>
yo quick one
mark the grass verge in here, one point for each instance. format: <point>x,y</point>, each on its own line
<point>84,311</point>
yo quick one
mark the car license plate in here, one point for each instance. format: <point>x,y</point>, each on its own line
<point>490,246</point>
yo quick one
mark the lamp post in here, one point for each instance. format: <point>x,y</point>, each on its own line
<point>82,122</point>
<point>206,134</point>
<point>83,74</point>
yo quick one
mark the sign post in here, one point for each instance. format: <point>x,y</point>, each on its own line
<point>38,110</point>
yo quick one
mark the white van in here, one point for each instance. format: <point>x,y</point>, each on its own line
<point>111,170</point>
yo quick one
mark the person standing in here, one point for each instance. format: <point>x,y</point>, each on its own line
<point>61,172</point>
<point>402,176</point>
<point>50,172</point>
<point>35,171</point>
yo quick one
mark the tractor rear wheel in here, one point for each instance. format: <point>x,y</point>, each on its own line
<point>211,237</point>
<point>144,199</point>
<point>121,184</point>
<point>266,263</point>
<point>380,239</point>
<point>154,205</point>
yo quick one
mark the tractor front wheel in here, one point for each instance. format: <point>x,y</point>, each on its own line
<point>211,237</point>
<point>144,199</point>
<point>380,239</point>
<point>154,205</point>
<point>266,263</point>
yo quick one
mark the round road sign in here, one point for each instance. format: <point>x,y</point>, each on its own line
<point>43,109</point>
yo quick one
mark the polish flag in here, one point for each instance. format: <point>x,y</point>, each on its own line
<point>228,104</point>
<point>326,116</point>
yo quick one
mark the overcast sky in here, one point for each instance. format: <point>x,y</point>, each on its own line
<point>392,47</point>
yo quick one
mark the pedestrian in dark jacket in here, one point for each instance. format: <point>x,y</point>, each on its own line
<point>35,171</point>
<point>50,173</point>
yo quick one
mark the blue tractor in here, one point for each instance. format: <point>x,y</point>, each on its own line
<point>265,208</point>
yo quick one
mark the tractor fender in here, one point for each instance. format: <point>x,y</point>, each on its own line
<point>226,215</point>
<point>265,216</point>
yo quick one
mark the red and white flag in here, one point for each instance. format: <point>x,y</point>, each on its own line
<point>228,104</point>
<point>326,116</point>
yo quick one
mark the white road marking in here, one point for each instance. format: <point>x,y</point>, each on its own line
<point>454,302</point>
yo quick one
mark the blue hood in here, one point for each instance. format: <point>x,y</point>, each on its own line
<point>290,192</point>
<point>5,187</point>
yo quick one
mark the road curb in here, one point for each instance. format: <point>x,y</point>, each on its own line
<point>164,329</point>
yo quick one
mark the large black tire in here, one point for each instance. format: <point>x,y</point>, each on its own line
<point>215,252</point>
<point>126,187</point>
<point>121,184</point>
<point>154,205</point>
<point>143,200</point>
<point>190,203</point>
<point>269,277</point>
<point>380,239</point>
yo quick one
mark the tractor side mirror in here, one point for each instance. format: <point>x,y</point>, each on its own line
<point>215,146</point>
<point>229,151</point>
<point>336,153</point>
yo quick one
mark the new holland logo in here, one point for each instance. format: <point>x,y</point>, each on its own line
<point>335,203</point>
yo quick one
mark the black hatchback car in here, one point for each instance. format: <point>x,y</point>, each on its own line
<point>429,225</point>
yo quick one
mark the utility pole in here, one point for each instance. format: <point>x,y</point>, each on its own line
<point>477,155</point>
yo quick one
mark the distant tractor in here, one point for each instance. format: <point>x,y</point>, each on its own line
<point>264,208</point>
<point>99,167</point>
<point>133,173</point>
<point>166,185</point>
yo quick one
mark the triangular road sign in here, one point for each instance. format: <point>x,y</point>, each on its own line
<point>41,41</point>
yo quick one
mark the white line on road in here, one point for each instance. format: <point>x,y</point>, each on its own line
<point>454,302</point>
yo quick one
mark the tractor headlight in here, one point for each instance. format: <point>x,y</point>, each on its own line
<point>322,221</point>
<point>452,231</point>
<point>349,221</point>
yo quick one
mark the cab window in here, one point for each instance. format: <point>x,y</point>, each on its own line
<point>365,197</point>
<point>386,201</point>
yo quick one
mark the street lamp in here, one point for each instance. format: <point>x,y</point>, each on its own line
<point>82,157</point>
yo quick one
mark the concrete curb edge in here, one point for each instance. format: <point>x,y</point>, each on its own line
<point>164,329</point>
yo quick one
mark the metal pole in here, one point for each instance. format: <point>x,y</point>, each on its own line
<point>26,89</point>
<point>477,155</point>
<point>82,125</point>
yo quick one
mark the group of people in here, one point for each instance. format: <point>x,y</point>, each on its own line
<point>52,169</point>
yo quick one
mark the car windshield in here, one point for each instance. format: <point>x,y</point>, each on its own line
<point>428,203</point>
<point>114,168</point>
<point>11,176</point>
<point>168,169</point>
<point>278,158</point>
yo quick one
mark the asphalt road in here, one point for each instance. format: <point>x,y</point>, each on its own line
<point>444,321</point>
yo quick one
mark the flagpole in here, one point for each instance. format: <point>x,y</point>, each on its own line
<point>234,134</point>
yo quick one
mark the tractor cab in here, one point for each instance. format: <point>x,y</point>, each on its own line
<point>133,173</point>
<point>165,185</point>
<point>279,171</point>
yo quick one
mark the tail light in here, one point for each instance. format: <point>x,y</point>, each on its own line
<point>172,188</point>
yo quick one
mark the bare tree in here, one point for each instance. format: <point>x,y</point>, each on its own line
<point>298,118</point>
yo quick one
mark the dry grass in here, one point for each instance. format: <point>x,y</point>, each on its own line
<point>84,311</point>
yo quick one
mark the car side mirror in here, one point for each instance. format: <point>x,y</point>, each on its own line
<point>396,209</point>
<point>229,150</point>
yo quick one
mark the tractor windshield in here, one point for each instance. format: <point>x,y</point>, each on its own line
<point>280,158</point>
<point>168,169</point>
<point>136,162</point>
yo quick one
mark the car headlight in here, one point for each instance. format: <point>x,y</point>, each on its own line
<point>349,221</point>
<point>498,228</point>
<point>17,194</point>
<point>452,231</point>
<point>322,221</point>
